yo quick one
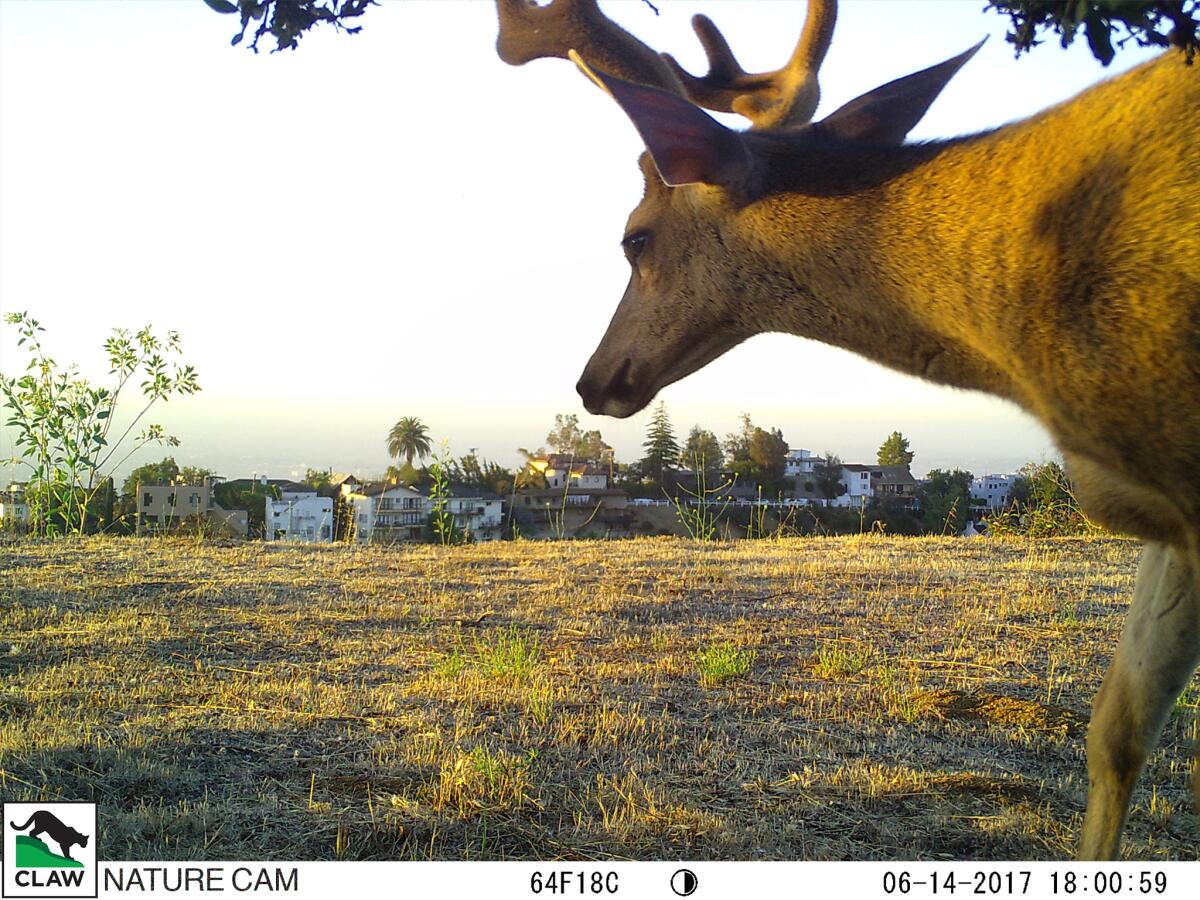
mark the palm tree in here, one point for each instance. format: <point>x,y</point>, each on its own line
<point>409,438</point>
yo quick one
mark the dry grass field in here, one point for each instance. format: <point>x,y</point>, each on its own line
<point>818,698</point>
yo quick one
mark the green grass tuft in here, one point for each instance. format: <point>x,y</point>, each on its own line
<point>721,662</point>
<point>834,660</point>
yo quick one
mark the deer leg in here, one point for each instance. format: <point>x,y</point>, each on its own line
<point>1158,651</point>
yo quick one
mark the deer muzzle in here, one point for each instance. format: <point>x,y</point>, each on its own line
<point>613,390</point>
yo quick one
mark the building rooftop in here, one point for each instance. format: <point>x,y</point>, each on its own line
<point>893,475</point>
<point>375,488</point>
<point>462,491</point>
<point>295,487</point>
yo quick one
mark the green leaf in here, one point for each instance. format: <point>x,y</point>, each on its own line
<point>221,6</point>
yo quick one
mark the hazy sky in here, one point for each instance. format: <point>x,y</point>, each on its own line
<point>397,223</point>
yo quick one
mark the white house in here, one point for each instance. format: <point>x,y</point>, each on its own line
<point>992,491</point>
<point>475,511</point>
<point>857,481</point>
<point>800,462</point>
<point>561,470</point>
<point>299,515</point>
<point>387,512</point>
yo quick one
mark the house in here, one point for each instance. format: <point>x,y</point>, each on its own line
<point>856,479</point>
<point>800,462</point>
<point>477,512</point>
<point>298,515</point>
<point>342,483</point>
<point>14,510</point>
<point>895,484</point>
<point>864,484</point>
<point>161,507</point>
<point>992,491</point>
<point>385,512</point>
<point>561,469</point>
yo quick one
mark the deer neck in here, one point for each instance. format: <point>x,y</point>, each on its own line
<point>880,261</point>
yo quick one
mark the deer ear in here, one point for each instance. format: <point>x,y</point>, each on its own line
<point>888,113</point>
<point>688,145</point>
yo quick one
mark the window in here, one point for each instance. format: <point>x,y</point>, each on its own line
<point>147,498</point>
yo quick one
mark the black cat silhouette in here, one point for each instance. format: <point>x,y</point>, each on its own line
<point>64,835</point>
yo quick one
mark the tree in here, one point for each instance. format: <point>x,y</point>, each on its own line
<point>164,471</point>
<point>945,499</point>
<point>408,438</point>
<point>63,422</point>
<point>407,475</point>
<point>193,475</point>
<point>1156,23</point>
<point>757,455</point>
<point>894,451</point>
<point>662,450</point>
<point>827,474</point>
<point>321,479</point>
<point>287,20</point>
<point>481,474</point>
<point>593,449</point>
<point>768,453</point>
<point>702,451</point>
<point>249,495</point>
<point>568,438</point>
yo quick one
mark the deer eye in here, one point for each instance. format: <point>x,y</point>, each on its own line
<point>633,244</point>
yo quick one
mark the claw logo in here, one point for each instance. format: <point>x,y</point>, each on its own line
<point>49,850</point>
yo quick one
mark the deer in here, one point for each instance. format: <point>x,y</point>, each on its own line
<point>1053,262</point>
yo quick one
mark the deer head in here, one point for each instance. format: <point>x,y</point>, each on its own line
<point>690,244</point>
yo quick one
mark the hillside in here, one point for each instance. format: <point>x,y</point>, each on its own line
<point>860,697</point>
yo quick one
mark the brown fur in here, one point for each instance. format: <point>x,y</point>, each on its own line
<point>1064,278</point>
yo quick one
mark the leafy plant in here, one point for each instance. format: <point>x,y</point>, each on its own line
<point>1044,506</point>
<point>757,526</point>
<point>700,515</point>
<point>63,421</point>
<point>443,527</point>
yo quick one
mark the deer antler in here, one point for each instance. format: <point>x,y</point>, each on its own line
<point>530,31</point>
<point>778,99</point>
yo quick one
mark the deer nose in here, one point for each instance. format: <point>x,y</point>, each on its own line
<point>595,390</point>
<point>590,394</point>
